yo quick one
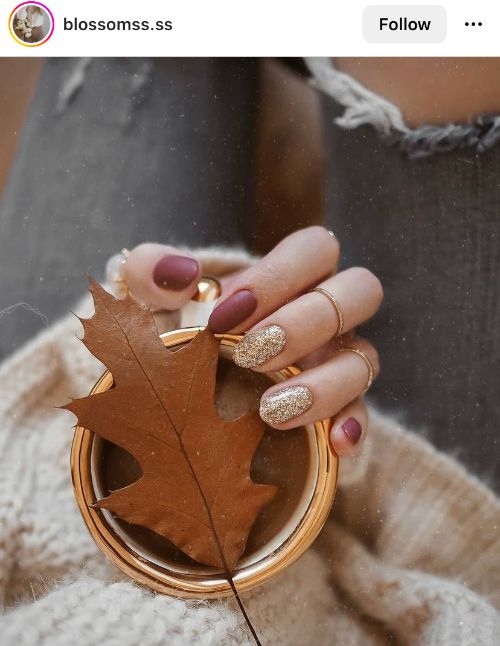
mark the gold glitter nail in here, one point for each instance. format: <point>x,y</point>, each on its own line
<point>258,347</point>
<point>285,404</point>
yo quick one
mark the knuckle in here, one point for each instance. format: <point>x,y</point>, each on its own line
<point>269,272</point>
<point>335,246</point>
<point>324,238</point>
<point>330,238</point>
<point>315,229</point>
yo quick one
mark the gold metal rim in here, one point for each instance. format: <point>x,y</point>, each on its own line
<point>205,586</point>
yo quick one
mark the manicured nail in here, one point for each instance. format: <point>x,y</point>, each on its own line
<point>258,347</point>
<point>352,428</point>
<point>233,311</point>
<point>175,272</point>
<point>285,404</point>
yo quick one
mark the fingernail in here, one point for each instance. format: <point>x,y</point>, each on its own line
<point>352,428</point>
<point>285,404</point>
<point>258,347</point>
<point>175,272</point>
<point>232,311</point>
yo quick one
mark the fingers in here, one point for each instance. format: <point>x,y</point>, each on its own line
<point>298,262</point>
<point>300,327</point>
<point>322,391</point>
<point>349,428</point>
<point>160,276</point>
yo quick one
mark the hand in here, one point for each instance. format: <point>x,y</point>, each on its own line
<point>286,324</point>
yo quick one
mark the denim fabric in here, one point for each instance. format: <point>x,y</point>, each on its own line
<point>116,152</point>
<point>430,229</point>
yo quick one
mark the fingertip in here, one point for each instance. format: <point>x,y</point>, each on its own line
<point>283,407</point>
<point>175,273</point>
<point>160,276</point>
<point>346,435</point>
<point>232,311</point>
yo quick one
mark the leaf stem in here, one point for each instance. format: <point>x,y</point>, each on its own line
<point>242,608</point>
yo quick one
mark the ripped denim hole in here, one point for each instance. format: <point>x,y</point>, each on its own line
<point>73,84</point>
<point>363,107</point>
<point>137,94</point>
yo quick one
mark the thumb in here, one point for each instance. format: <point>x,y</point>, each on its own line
<point>161,277</point>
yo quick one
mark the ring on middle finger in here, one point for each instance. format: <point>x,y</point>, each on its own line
<point>336,305</point>
<point>368,363</point>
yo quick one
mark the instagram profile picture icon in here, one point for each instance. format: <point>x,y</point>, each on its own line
<point>31,24</point>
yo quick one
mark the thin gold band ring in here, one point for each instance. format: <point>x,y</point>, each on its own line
<point>337,307</point>
<point>369,364</point>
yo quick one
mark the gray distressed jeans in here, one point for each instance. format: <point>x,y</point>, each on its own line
<point>116,152</point>
<point>421,209</point>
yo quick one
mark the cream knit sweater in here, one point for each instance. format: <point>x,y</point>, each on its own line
<point>411,554</point>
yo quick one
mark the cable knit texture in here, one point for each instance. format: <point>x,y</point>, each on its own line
<point>411,554</point>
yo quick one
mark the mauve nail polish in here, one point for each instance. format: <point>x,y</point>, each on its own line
<point>232,311</point>
<point>352,428</point>
<point>175,272</point>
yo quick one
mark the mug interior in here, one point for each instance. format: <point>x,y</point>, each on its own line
<point>288,459</point>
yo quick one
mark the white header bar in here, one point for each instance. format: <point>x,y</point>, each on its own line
<point>248,28</point>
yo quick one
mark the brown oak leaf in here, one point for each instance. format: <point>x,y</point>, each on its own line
<point>195,487</point>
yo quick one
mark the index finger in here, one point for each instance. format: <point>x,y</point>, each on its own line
<point>297,263</point>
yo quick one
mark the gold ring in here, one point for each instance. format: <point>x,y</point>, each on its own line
<point>369,364</point>
<point>337,307</point>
